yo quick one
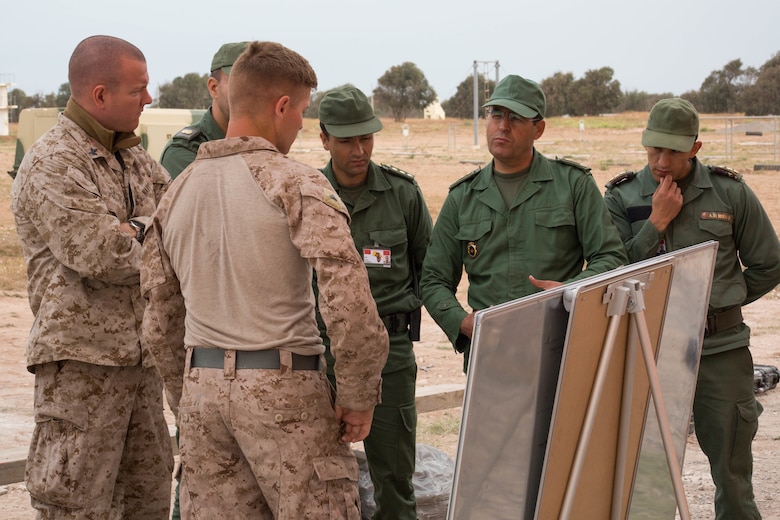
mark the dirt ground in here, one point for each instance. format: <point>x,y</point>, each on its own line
<point>438,153</point>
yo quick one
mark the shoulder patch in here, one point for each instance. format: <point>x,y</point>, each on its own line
<point>466,177</point>
<point>188,133</point>
<point>574,164</point>
<point>620,179</point>
<point>726,172</point>
<point>398,172</point>
<point>330,198</point>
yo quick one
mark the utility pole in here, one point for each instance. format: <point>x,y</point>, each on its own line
<point>476,95</point>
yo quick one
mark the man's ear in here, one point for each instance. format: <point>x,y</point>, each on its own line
<point>325,143</point>
<point>213,86</point>
<point>540,125</point>
<point>282,105</point>
<point>99,95</point>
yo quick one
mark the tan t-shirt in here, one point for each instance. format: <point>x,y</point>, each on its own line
<point>234,242</point>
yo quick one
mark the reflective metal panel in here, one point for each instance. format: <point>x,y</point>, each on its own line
<point>678,365</point>
<point>517,352</point>
<point>510,390</point>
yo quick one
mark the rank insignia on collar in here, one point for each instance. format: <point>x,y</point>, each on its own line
<point>471,249</point>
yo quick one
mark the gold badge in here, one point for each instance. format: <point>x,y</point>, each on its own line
<point>471,249</point>
<point>717,215</point>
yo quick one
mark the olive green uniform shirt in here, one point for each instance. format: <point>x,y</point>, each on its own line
<point>183,147</point>
<point>556,224</point>
<point>717,205</point>
<point>390,215</point>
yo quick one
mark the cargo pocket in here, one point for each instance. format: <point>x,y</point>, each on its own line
<point>58,457</point>
<point>747,426</point>
<point>335,488</point>
<point>409,417</point>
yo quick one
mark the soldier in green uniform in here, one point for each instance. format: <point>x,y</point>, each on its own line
<point>391,228</point>
<point>520,224</point>
<point>181,150</point>
<point>673,202</point>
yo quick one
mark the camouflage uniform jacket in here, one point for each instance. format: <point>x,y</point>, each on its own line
<point>266,264</point>
<point>182,149</point>
<point>68,200</point>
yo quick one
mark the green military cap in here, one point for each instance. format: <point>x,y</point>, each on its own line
<point>673,124</point>
<point>346,112</point>
<point>227,55</point>
<point>522,96</point>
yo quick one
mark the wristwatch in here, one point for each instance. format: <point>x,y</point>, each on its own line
<point>140,230</point>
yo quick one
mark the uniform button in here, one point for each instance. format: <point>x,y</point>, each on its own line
<point>304,416</point>
<point>278,417</point>
<point>185,417</point>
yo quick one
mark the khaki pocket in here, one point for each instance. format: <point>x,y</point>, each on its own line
<point>334,486</point>
<point>57,463</point>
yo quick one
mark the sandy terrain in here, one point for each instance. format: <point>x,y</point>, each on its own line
<point>439,152</point>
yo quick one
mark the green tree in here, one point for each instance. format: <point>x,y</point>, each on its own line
<point>63,95</point>
<point>403,90</point>
<point>640,101</point>
<point>21,100</point>
<point>188,91</point>
<point>694,97</point>
<point>461,104</point>
<point>595,93</point>
<point>556,92</point>
<point>763,97</point>
<point>721,91</point>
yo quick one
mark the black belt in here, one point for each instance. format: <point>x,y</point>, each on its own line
<point>203,357</point>
<point>396,323</point>
<point>725,319</point>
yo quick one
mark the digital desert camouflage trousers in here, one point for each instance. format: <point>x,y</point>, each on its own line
<point>263,444</point>
<point>101,447</point>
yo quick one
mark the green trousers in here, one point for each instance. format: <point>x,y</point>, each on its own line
<point>390,447</point>
<point>725,414</point>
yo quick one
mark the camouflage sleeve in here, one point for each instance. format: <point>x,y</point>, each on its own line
<point>160,181</point>
<point>359,342</point>
<point>162,330</point>
<point>74,220</point>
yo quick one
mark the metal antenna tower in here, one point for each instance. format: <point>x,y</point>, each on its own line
<point>477,103</point>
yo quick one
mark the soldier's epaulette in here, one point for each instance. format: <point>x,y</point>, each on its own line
<point>466,177</point>
<point>726,172</point>
<point>398,172</point>
<point>620,179</point>
<point>189,133</point>
<point>575,164</point>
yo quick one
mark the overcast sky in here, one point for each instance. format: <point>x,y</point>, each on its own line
<point>657,47</point>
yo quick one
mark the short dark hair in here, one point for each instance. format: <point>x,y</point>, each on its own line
<point>95,60</point>
<point>266,70</point>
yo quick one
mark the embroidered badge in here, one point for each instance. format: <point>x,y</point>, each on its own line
<point>717,215</point>
<point>472,250</point>
<point>332,200</point>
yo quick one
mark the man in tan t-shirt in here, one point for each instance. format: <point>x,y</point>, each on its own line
<point>227,271</point>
